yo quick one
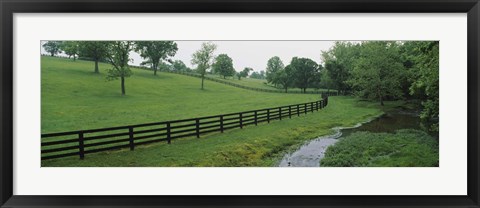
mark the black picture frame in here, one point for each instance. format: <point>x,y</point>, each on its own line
<point>10,7</point>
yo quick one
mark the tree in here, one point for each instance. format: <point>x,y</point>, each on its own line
<point>203,58</point>
<point>326,81</point>
<point>286,77</point>
<point>223,66</point>
<point>71,48</point>
<point>274,65</point>
<point>154,52</point>
<point>305,72</point>
<point>244,72</point>
<point>258,75</point>
<point>52,47</point>
<point>426,79</point>
<point>118,56</point>
<point>378,71</point>
<point>339,61</point>
<point>178,65</point>
<point>96,50</point>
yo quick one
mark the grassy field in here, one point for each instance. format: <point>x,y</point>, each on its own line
<point>261,84</point>
<point>404,148</point>
<point>262,145</point>
<point>75,98</point>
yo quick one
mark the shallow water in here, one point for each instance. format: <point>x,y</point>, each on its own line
<point>310,154</point>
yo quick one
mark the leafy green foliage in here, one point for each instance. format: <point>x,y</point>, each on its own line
<point>53,47</point>
<point>154,52</point>
<point>223,66</point>
<point>95,50</point>
<point>425,80</point>
<point>339,61</point>
<point>258,75</point>
<point>286,77</point>
<point>378,71</point>
<point>203,58</point>
<point>404,148</point>
<point>178,65</point>
<point>71,48</point>
<point>305,72</point>
<point>274,65</point>
<point>118,56</point>
<point>244,73</point>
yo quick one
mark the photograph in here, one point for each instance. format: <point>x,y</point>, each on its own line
<point>239,103</point>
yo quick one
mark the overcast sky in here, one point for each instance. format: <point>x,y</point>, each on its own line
<point>254,54</point>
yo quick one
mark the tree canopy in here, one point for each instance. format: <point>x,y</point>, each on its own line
<point>378,71</point>
<point>274,65</point>
<point>203,58</point>
<point>71,48</point>
<point>118,56</point>
<point>52,47</point>
<point>305,72</point>
<point>154,52</point>
<point>95,50</point>
<point>223,66</point>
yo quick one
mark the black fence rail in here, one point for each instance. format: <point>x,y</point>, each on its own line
<point>80,143</point>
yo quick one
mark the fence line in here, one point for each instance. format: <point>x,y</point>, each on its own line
<point>328,93</point>
<point>82,142</point>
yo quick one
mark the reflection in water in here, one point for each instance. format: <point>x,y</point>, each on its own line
<point>310,154</point>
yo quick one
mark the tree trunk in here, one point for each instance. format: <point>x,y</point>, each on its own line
<point>381,101</point>
<point>123,85</point>
<point>52,54</point>
<point>96,67</point>
<point>304,90</point>
<point>203,76</point>
<point>285,90</point>
<point>155,72</point>
<point>74,58</point>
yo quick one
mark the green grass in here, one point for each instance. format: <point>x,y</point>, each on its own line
<point>260,84</point>
<point>261,145</point>
<point>404,148</point>
<point>75,98</point>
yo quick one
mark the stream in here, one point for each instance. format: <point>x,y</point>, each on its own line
<point>310,154</point>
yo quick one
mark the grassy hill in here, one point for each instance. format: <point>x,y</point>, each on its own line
<point>74,98</point>
<point>262,84</point>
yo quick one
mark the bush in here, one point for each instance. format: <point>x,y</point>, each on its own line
<point>404,148</point>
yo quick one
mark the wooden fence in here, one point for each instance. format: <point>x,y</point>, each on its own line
<point>80,143</point>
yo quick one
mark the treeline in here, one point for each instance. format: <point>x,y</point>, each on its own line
<point>386,70</point>
<point>376,70</point>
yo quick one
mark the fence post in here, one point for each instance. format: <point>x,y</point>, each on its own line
<point>168,133</point>
<point>289,111</point>
<point>268,115</point>
<point>316,105</point>
<point>81,147</point>
<point>280,113</point>
<point>241,120</point>
<point>305,108</point>
<point>256,121</point>
<point>197,127</point>
<point>298,109</point>
<point>130,133</point>
<point>221,123</point>
<point>311,107</point>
